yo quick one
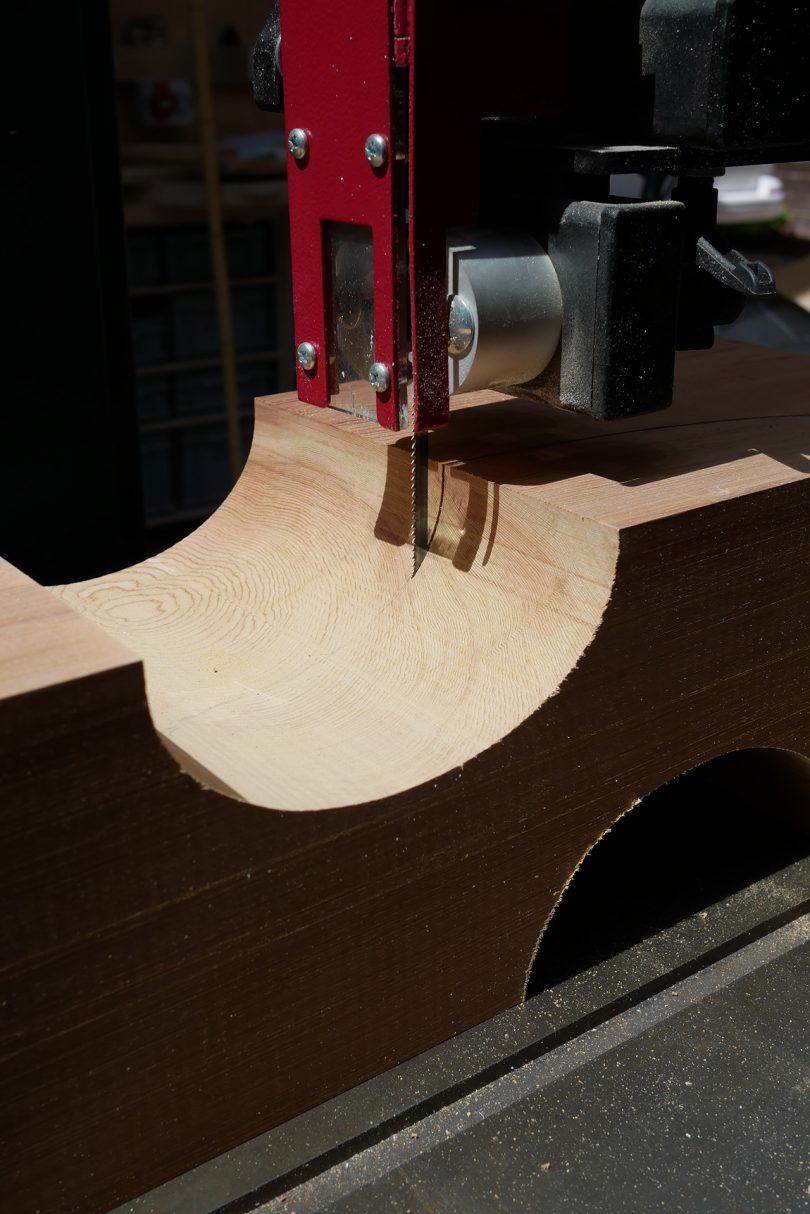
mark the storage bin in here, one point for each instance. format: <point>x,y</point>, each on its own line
<point>205,470</point>
<point>188,256</point>
<point>156,466</point>
<point>153,394</point>
<point>205,474</point>
<point>200,392</point>
<point>250,250</point>
<point>150,334</point>
<point>194,325</point>
<point>204,391</point>
<point>254,318</point>
<point>143,259</point>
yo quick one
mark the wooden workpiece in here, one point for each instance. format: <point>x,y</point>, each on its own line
<point>277,816</point>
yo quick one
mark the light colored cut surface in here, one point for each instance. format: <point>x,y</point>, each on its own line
<point>292,661</point>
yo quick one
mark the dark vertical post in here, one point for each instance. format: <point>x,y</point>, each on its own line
<point>69,467</point>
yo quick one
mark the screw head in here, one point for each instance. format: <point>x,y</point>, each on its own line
<point>298,143</point>
<point>306,355</point>
<point>376,150</point>
<point>460,327</point>
<point>379,377</point>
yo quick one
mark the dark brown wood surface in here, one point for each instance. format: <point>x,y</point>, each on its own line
<point>183,969</point>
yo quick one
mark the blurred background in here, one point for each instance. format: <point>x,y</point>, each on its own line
<point>147,258</point>
<point>188,452</point>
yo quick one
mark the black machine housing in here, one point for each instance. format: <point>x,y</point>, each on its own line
<point>674,90</point>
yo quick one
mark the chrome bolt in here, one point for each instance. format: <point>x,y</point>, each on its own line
<point>307,355</point>
<point>379,377</point>
<point>298,143</point>
<point>376,150</point>
<point>461,327</point>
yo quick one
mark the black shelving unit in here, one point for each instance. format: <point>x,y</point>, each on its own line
<point>178,371</point>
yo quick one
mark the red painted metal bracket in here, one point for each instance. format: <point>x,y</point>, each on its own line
<point>339,71</point>
<point>338,88</point>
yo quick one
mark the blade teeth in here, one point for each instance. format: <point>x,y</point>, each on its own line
<point>419,497</point>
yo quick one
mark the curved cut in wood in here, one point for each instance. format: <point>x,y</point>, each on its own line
<point>601,610</point>
<point>291,658</point>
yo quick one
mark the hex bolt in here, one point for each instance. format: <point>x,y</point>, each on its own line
<point>460,327</point>
<point>298,143</point>
<point>376,150</point>
<point>379,377</point>
<point>307,356</point>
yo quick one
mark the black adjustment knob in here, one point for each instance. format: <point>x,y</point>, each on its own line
<point>268,86</point>
<point>733,270</point>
